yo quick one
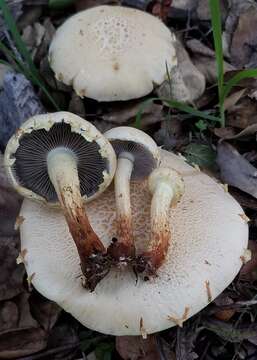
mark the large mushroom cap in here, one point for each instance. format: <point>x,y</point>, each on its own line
<point>28,150</point>
<point>112,53</point>
<point>210,237</point>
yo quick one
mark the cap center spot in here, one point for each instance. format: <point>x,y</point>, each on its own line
<point>112,34</point>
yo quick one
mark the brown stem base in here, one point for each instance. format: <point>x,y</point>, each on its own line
<point>96,266</point>
<point>143,265</point>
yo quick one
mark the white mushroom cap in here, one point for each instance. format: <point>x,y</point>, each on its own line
<point>112,53</point>
<point>75,132</point>
<point>210,237</point>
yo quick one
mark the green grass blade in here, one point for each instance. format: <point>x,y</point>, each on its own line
<point>244,74</point>
<point>176,105</point>
<point>214,6</point>
<point>19,66</point>
<point>10,22</point>
<point>190,110</point>
<point>9,54</point>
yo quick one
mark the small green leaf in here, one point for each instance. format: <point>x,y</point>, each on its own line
<point>201,125</point>
<point>244,74</point>
<point>200,154</point>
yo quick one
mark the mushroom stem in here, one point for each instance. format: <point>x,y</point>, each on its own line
<point>63,173</point>
<point>167,187</point>
<point>124,247</point>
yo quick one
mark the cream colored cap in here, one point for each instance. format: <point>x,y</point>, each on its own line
<point>112,53</point>
<point>209,240</point>
<point>27,150</point>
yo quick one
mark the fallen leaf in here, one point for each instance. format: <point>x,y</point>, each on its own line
<point>76,105</point>
<point>187,82</point>
<point>9,315</point>
<point>33,36</point>
<point>224,314</point>
<point>203,11</point>
<point>235,170</point>
<point>46,312</point>
<point>249,270</point>
<point>123,113</point>
<point>243,114</point>
<point>201,155</point>
<point>10,203</point>
<point>245,200</point>
<point>21,342</point>
<point>232,99</point>
<point>186,338</point>
<point>225,132</point>
<point>244,41</point>
<point>171,134</point>
<point>229,332</point>
<point>204,59</point>
<point>137,348</point>
<point>11,275</point>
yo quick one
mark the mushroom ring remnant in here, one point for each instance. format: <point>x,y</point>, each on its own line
<point>209,238</point>
<point>118,53</point>
<point>63,160</point>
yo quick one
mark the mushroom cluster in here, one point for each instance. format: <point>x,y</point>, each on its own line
<point>160,218</point>
<point>188,239</point>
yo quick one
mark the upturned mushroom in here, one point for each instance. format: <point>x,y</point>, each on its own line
<point>61,159</point>
<point>167,187</point>
<point>118,53</point>
<point>209,238</point>
<point>137,155</point>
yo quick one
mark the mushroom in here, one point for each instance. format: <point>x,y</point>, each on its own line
<point>118,53</point>
<point>61,159</point>
<point>209,238</point>
<point>167,187</point>
<point>137,155</point>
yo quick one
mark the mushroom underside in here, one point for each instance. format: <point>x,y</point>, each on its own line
<point>209,240</point>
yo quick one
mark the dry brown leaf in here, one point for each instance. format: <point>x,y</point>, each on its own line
<point>44,311</point>
<point>242,114</point>
<point>171,134</point>
<point>243,45</point>
<point>235,170</point>
<point>225,133</point>
<point>249,131</point>
<point>245,200</point>
<point>21,342</point>
<point>224,314</point>
<point>9,315</point>
<point>124,113</point>
<point>11,275</point>
<point>137,348</point>
<point>232,99</point>
<point>76,105</point>
<point>9,204</point>
<point>249,270</point>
